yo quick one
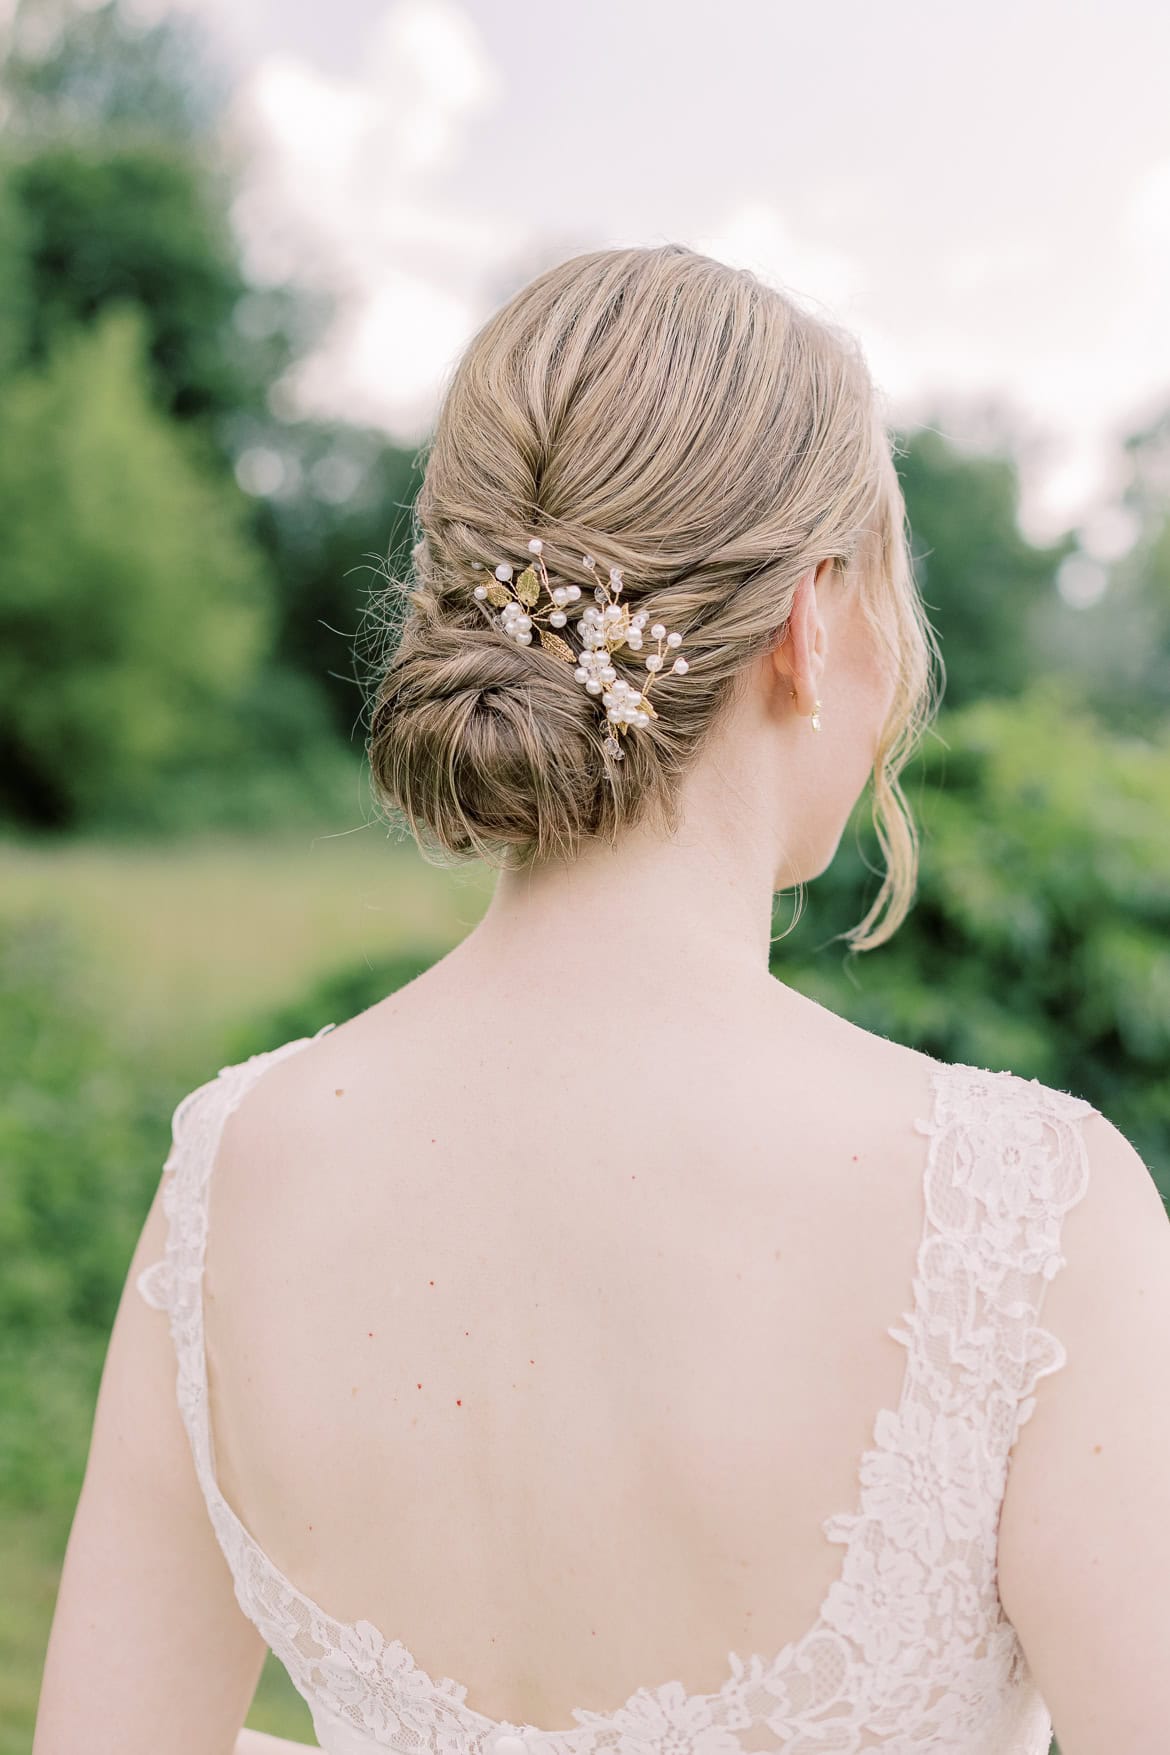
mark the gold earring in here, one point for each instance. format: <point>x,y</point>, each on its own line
<point>816,713</point>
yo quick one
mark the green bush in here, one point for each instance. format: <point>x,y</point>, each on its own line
<point>81,1127</point>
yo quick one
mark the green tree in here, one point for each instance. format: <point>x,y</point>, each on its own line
<point>984,584</point>
<point>135,610</point>
<point>124,191</point>
<point>77,69</point>
<point>119,196</point>
<point>1128,629</point>
<point>108,223</point>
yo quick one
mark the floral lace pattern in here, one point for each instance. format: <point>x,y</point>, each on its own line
<point>911,1651</point>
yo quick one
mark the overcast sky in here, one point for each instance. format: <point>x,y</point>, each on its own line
<point>981,192</point>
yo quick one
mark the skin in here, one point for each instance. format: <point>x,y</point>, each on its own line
<point>560,1354</point>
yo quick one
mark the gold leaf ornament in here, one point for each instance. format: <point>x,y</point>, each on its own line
<point>558,647</point>
<point>528,587</point>
<point>498,595</point>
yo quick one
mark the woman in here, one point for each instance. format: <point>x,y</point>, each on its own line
<point>597,1344</point>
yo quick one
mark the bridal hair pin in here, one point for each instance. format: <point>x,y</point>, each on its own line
<point>604,626</point>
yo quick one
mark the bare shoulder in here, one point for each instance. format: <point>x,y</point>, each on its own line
<point>1084,1538</point>
<point>858,1060</point>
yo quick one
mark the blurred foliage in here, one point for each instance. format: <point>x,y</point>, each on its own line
<point>982,582</point>
<point>114,201</point>
<point>84,68</point>
<point>340,995</point>
<point>343,514</point>
<point>108,222</point>
<point>132,619</point>
<point>77,1132</point>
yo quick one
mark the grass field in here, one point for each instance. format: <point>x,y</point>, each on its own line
<point>193,935</point>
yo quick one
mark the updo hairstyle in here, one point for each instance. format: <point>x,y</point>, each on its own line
<point>677,418</point>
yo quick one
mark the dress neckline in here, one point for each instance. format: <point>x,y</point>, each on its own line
<point>391,1653</point>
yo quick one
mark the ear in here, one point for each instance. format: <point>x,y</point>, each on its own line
<point>799,655</point>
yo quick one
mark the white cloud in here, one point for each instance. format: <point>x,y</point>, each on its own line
<point>755,235</point>
<point>387,355</point>
<point>345,190</point>
<point>1145,220</point>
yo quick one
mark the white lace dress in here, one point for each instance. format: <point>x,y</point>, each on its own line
<point>911,1650</point>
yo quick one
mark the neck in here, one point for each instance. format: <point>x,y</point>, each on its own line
<point>649,913</point>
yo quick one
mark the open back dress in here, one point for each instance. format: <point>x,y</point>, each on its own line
<point>911,1652</point>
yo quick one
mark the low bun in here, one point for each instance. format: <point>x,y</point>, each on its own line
<point>486,748</point>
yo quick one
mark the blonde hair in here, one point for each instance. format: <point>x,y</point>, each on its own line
<point>678,418</point>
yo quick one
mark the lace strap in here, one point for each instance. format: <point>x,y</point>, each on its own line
<point>1006,1161</point>
<point>175,1283</point>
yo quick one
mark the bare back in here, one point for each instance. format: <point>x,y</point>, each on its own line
<point>548,1345</point>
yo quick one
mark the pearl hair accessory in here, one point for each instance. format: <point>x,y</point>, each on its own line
<point>604,627</point>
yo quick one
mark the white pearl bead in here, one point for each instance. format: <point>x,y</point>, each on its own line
<point>680,667</point>
<point>674,639</point>
<point>593,686</point>
<point>481,591</point>
<point>658,631</point>
<point>615,575</point>
<point>558,618</point>
<point>654,662</point>
<point>535,546</point>
<point>503,572</point>
<point>642,719</point>
<point>581,675</point>
<point>574,593</point>
<point>526,639</point>
<point>477,566</point>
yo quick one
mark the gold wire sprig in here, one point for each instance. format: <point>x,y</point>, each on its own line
<point>605,627</point>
